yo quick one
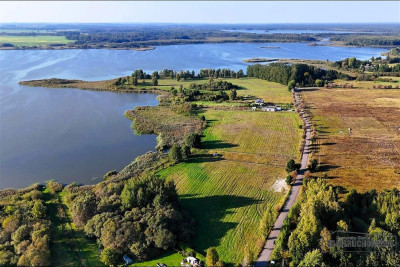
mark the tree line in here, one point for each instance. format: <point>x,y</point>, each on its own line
<point>25,232</point>
<point>307,234</point>
<point>294,75</point>
<point>368,39</point>
<point>368,65</point>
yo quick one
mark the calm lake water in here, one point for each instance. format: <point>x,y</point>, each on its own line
<point>75,135</point>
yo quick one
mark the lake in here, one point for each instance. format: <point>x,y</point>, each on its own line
<point>75,135</point>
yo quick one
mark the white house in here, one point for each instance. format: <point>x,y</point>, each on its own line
<point>259,101</point>
<point>271,108</point>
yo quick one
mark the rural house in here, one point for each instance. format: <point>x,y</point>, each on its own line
<point>272,108</point>
<point>259,102</point>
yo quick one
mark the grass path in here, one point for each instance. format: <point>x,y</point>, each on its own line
<point>69,246</point>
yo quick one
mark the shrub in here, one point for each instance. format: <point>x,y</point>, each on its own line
<point>186,152</point>
<point>291,166</point>
<point>289,179</point>
<point>54,186</point>
<point>232,94</point>
<point>193,140</point>
<point>110,174</point>
<point>277,208</point>
<point>212,257</point>
<point>314,165</point>
<point>319,83</point>
<point>291,85</point>
<point>175,154</point>
<point>109,257</point>
<point>39,210</point>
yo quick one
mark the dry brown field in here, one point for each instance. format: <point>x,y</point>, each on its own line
<point>367,158</point>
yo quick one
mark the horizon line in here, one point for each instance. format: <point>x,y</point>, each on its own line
<point>202,23</point>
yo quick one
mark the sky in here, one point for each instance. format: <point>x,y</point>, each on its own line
<point>201,11</point>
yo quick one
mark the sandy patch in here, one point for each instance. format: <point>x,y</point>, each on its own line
<point>280,185</point>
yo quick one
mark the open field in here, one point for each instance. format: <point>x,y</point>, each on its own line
<point>34,40</point>
<point>248,86</point>
<point>370,157</point>
<point>269,91</point>
<point>370,84</point>
<point>227,195</point>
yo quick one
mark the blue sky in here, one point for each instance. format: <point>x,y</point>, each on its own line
<point>202,11</point>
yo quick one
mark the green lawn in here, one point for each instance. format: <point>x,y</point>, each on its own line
<point>169,258</point>
<point>248,86</point>
<point>34,40</point>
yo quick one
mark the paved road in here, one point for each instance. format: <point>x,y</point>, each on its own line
<point>269,244</point>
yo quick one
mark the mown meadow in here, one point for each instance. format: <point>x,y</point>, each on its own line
<point>39,40</point>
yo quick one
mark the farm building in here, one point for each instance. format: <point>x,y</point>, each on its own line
<point>259,102</point>
<point>271,108</point>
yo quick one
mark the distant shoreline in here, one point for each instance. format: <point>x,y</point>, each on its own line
<point>69,47</point>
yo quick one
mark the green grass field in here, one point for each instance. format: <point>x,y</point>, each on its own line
<point>169,259</point>
<point>269,91</point>
<point>34,40</point>
<point>227,195</point>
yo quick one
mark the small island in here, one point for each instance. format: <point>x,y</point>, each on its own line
<point>259,60</point>
<point>270,47</point>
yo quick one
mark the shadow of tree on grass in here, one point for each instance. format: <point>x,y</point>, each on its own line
<point>208,212</point>
<point>216,144</point>
<point>200,158</point>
